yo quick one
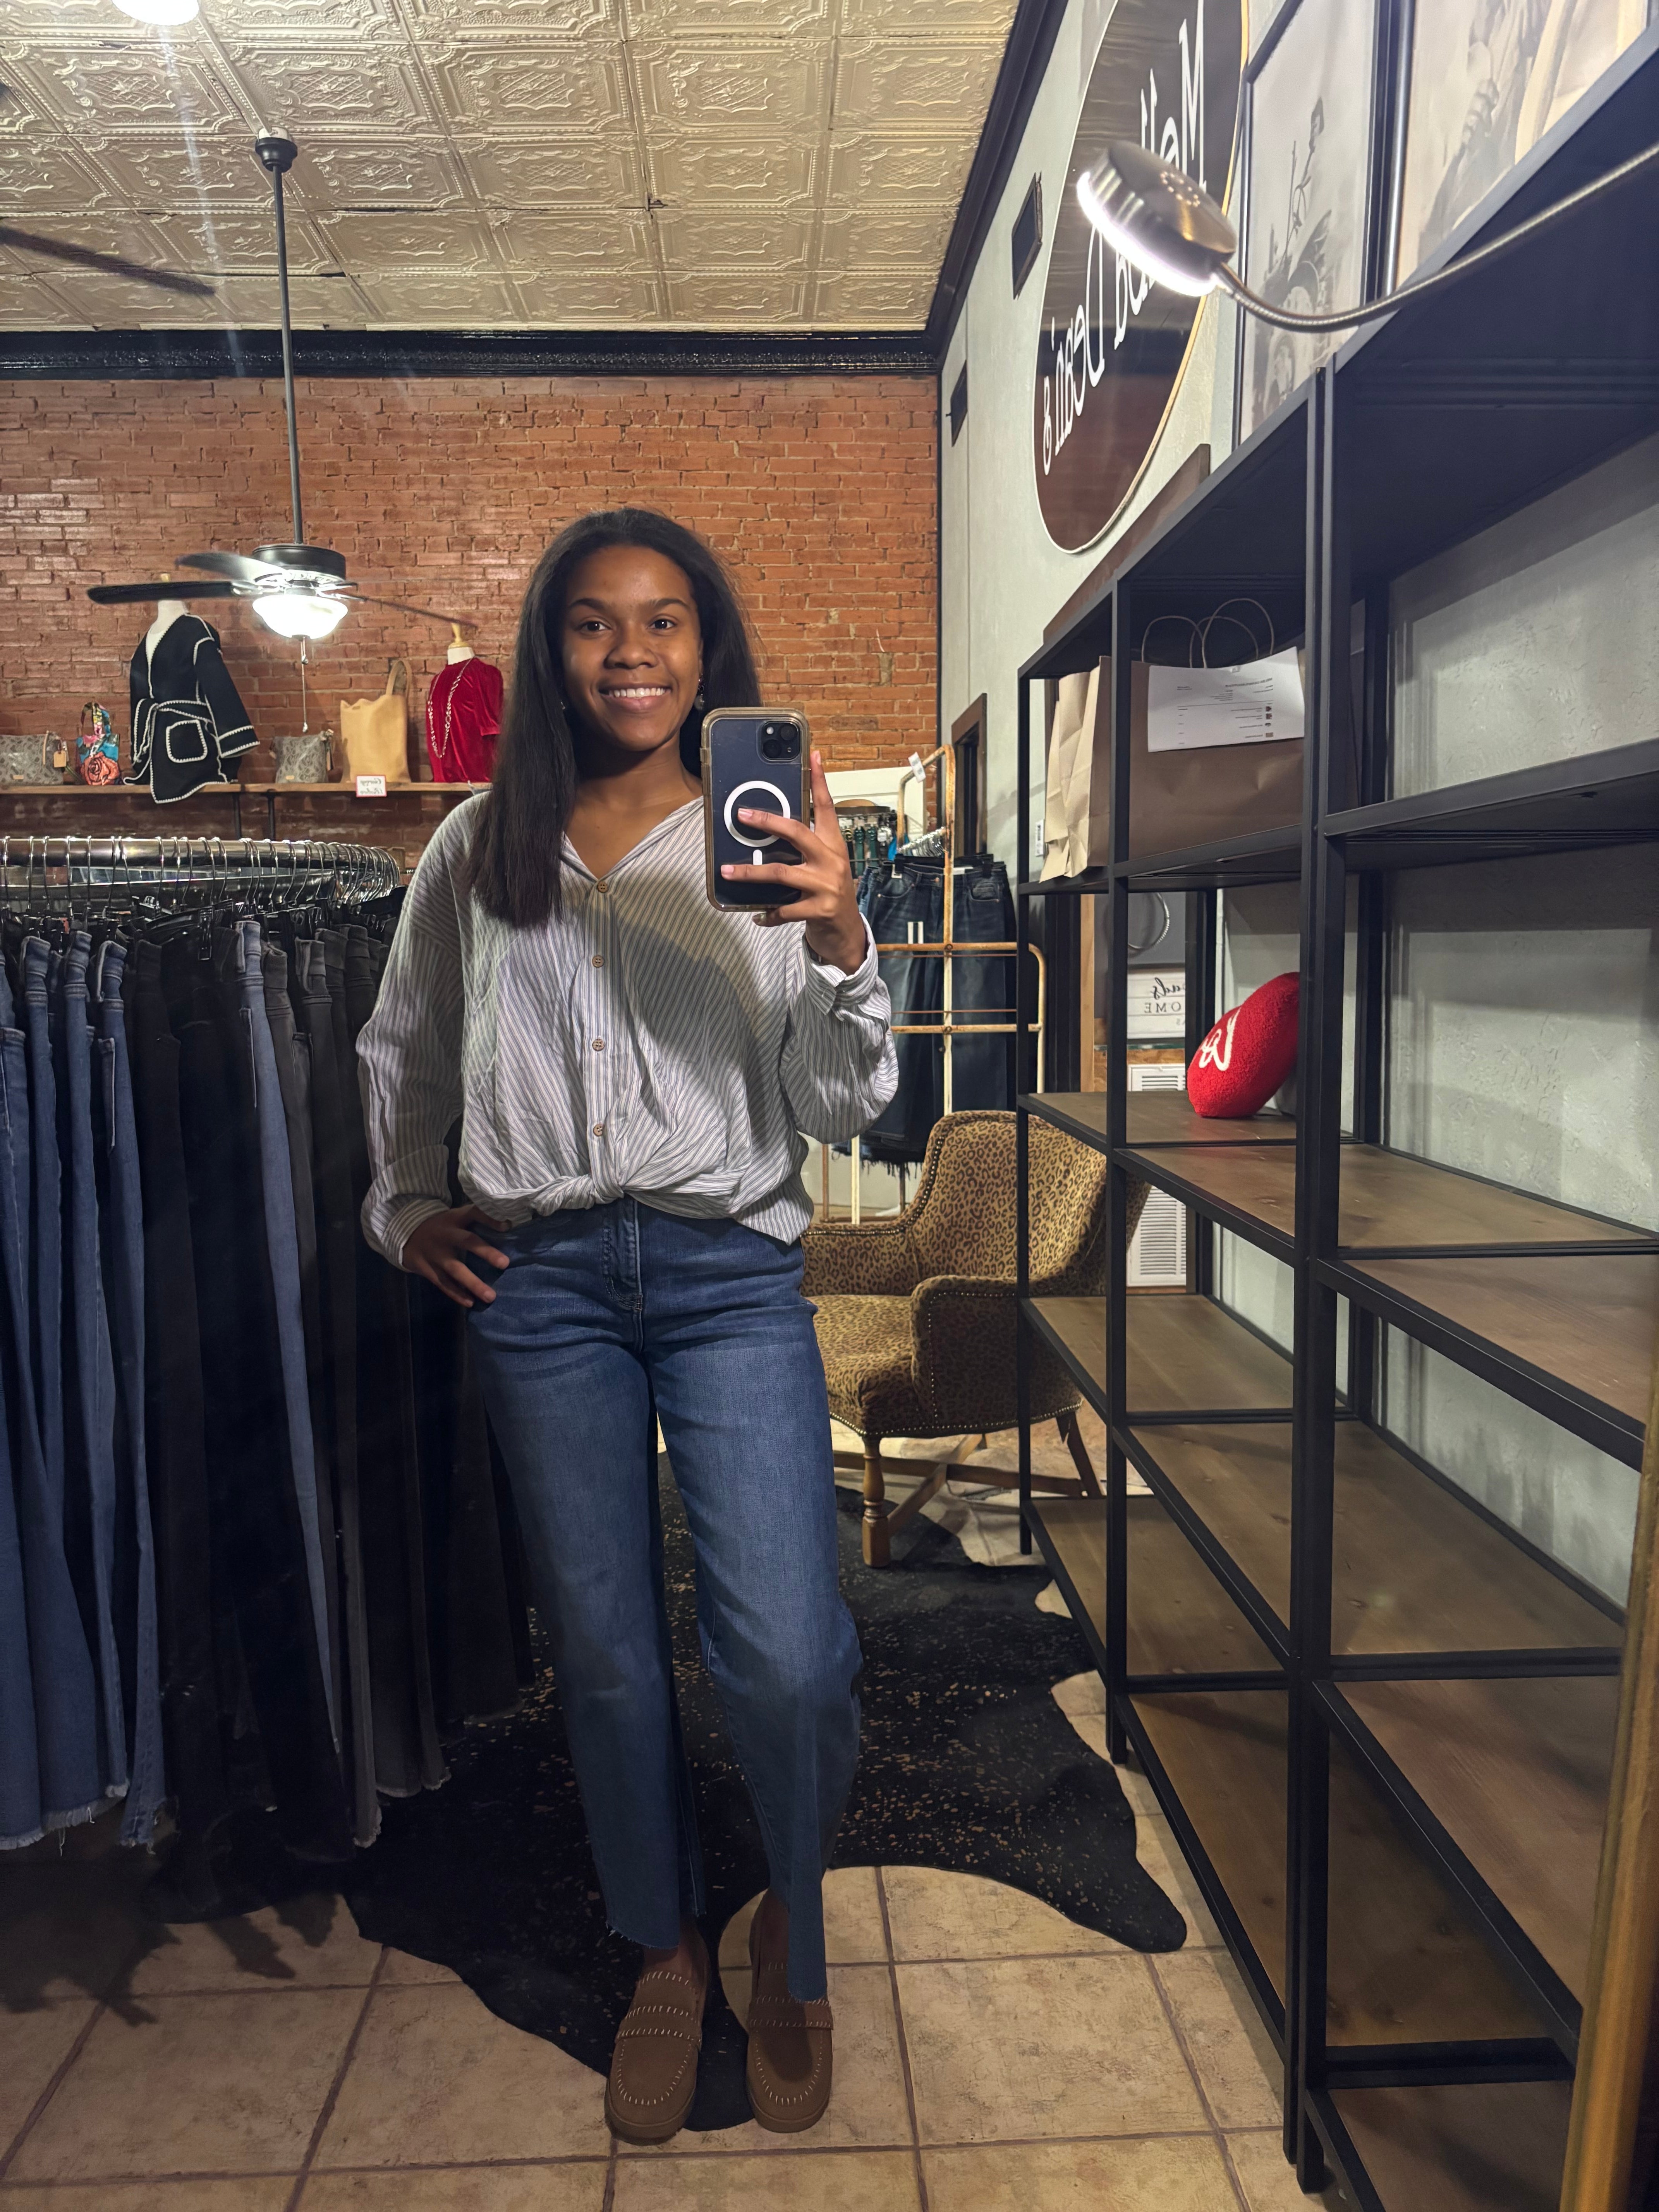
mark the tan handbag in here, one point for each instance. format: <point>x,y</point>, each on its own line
<point>375,732</point>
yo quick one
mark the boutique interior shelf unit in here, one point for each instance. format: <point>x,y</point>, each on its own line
<point>1379,1719</point>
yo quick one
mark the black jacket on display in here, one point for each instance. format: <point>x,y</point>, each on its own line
<point>188,718</point>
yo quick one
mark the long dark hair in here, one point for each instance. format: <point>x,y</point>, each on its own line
<point>515,866</point>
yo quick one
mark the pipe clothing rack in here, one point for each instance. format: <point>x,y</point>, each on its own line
<point>108,874</point>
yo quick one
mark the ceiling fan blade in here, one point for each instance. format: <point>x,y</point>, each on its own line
<point>236,566</point>
<point>123,595</point>
<point>110,265</point>
<point>401,607</point>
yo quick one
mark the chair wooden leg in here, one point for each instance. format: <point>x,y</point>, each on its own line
<point>1071,1437</point>
<point>877,1547</point>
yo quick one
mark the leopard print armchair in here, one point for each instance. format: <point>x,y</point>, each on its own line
<point>916,1316</point>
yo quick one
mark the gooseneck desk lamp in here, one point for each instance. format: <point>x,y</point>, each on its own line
<point>1171,229</point>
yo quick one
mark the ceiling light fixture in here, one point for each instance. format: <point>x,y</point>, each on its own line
<point>1169,227</point>
<point>166,13</point>
<point>299,613</point>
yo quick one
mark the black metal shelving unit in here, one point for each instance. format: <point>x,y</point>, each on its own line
<point>1379,1721</point>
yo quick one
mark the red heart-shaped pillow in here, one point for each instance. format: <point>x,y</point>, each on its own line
<point>1247,1055</point>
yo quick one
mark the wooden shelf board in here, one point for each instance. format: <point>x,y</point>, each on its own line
<point>1413,1570</point>
<point>1586,1318</point>
<point>1389,1199</point>
<point>1186,1354</point>
<point>1159,1117</point>
<point>1076,1530</point>
<point>1181,1620</point>
<point>1404,1967</point>
<point>1461,2146</point>
<point>1517,1772</point>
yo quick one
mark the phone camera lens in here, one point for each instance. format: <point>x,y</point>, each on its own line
<point>780,741</point>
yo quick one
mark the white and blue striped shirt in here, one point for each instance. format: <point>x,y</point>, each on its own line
<point>645,1045</point>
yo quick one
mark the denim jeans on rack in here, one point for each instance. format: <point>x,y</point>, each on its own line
<point>122,1224</point>
<point>293,1058</point>
<point>259,1553</point>
<point>982,1068</point>
<point>903,901</point>
<point>21,1808</point>
<point>88,1361</point>
<point>338,1258</point>
<point>188,1593</point>
<point>407,1754</point>
<point>602,1314</point>
<point>65,1685</point>
<point>281,1243</point>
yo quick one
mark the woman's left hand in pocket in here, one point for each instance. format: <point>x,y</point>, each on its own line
<point>823,875</point>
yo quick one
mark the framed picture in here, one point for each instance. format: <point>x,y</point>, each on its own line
<point>1487,79</point>
<point>1311,101</point>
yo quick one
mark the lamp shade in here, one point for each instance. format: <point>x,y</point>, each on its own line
<point>1157,218</point>
<point>300,614</point>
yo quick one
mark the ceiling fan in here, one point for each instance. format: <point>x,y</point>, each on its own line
<point>297,590</point>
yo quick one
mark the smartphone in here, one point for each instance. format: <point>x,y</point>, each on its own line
<point>756,757</point>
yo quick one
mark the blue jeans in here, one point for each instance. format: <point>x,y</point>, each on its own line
<point>600,1314</point>
<point>20,1760</point>
<point>65,1690</point>
<point>282,1242</point>
<point>116,1133</point>
<point>89,1362</point>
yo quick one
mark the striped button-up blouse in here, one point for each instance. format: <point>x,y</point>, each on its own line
<point>644,1045</point>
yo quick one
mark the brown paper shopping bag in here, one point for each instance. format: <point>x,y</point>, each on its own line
<point>375,732</point>
<point>1075,810</point>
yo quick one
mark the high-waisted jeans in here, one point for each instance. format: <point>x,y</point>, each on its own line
<point>599,1314</point>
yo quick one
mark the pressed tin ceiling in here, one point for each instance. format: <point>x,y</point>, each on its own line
<point>752,165</point>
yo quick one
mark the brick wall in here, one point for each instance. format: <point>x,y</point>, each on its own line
<point>819,491</point>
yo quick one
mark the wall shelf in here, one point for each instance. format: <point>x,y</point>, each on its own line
<point>1416,1570</point>
<point>1186,1356</point>
<point>1406,1871</point>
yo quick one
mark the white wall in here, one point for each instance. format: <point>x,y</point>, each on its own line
<point>1002,576</point>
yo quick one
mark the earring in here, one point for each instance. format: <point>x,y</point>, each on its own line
<point>698,703</point>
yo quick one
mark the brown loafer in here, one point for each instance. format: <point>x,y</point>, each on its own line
<point>790,2061</point>
<point>654,2068</point>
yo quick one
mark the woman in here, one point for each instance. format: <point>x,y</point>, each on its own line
<point>634,1067</point>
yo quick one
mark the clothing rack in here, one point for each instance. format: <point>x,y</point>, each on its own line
<point>941,841</point>
<point>108,874</point>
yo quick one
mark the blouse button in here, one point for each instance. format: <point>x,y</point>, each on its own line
<point>599,1129</point>
<point>601,886</point>
<point>598,959</point>
<point>598,1044</point>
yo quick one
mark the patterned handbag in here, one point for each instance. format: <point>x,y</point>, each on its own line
<point>97,750</point>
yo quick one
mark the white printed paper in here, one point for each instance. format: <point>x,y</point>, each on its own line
<point>1254,704</point>
<point>371,787</point>
<point>1157,1005</point>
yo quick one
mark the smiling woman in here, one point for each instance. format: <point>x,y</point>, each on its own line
<point>631,1067</point>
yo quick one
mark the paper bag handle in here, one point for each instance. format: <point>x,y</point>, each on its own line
<point>396,678</point>
<point>1201,630</point>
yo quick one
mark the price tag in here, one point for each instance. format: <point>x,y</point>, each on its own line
<point>371,787</point>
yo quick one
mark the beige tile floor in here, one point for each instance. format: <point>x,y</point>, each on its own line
<point>991,2057</point>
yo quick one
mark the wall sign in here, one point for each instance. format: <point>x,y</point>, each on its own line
<point>1112,344</point>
